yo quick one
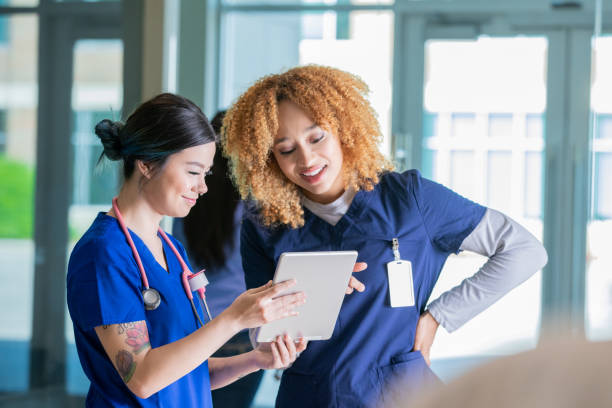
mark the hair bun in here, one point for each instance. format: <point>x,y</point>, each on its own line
<point>108,132</point>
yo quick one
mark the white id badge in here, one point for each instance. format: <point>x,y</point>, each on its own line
<point>401,287</point>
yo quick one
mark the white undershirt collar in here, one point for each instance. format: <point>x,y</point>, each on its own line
<point>334,211</point>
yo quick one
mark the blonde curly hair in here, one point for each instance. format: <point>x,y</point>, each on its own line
<point>335,101</point>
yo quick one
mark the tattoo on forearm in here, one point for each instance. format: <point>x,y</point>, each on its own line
<point>137,335</point>
<point>125,365</point>
<point>123,327</point>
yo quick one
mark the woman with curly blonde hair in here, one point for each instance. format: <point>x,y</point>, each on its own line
<point>303,148</point>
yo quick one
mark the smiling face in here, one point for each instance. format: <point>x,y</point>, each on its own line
<point>307,155</point>
<point>175,188</point>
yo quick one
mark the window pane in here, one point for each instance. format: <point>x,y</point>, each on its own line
<point>464,125</point>
<point>534,126</point>
<point>18,110</point>
<point>488,98</point>
<point>499,169</point>
<point>97,93</point>
<point>462,172</point>
<point>533,185</point>
<point>258,44</point>
<point>500,125</point>
<point>599,229</point>
<point>603,126</point>
<point>603,181</point>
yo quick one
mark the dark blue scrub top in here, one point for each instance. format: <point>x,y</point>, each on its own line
<point>104,287</point>
<point>371,346</point>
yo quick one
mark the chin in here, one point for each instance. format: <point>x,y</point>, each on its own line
<point>178,212</point>
<point>317,191</point>
<point>182,214</point>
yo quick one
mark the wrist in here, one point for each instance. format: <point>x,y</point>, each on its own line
<point>255,361</point>
<point>231,320</point>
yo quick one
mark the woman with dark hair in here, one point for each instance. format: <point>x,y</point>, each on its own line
<point>211,233</point>
<point>139,334</point>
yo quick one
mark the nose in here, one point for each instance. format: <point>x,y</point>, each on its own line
<point>202,188</point>
<point>305,156</point>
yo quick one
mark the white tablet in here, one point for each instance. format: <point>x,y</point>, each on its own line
<point>323,277</point>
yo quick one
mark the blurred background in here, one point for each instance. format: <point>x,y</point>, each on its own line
<point>508,103</point>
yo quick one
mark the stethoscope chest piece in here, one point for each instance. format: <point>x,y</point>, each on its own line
<point>151,298</point>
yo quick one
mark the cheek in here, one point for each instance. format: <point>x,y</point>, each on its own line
<point>284,164</point>
<point>178,184</point>
<point>334,154</point>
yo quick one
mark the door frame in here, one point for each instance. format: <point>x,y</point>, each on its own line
<point>61,25</point>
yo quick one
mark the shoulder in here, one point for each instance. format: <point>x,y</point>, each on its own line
<point>406,179</point>
<point>252,227</point>
<point>98,252</point>
<point>402,185</point>
<point>255,233</point>
<point>412,185</point>
<point>98,242</point>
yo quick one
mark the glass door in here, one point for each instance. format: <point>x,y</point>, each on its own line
<point>484,105</point>
<point>470,107</point>
<point>97,93</point>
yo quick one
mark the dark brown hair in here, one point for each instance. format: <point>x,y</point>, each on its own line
<point>163,125</point>
<point>209,227</point>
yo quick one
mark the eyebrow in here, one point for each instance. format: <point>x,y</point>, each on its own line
<point>196,164</point>
<point>309,128</point>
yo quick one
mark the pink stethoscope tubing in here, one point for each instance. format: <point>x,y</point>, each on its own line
<point>186,276</point>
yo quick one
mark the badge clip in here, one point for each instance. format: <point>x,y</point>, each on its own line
<point>396,253</point>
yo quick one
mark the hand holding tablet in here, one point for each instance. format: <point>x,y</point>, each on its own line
<point>354,283</point>
<point>266,303</point>
<point>324,278</point>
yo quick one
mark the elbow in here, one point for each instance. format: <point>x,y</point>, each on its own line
<point>141,387</point>
<point>140,390</point>
<point>541,257</point>
<point>533,258</point>
<point>536,257</point>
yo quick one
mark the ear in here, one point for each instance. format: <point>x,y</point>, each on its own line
<point>144,168</point>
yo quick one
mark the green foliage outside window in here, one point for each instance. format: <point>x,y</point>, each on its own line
<point>16,198</point>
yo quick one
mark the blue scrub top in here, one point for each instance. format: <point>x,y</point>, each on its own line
<point>371,346</point>
<point>104,287</point>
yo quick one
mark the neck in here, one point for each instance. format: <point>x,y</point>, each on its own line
<point>332,194</point>
<point>329,196</point>
<point>137,212</point>
<point>323,199</point>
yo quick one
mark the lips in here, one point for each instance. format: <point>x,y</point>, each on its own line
<point>313,174</point>
<point>190,201</point>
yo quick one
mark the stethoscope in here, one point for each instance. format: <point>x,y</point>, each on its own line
<point>192,282</point>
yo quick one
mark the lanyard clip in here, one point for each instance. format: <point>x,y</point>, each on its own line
<point>396,253</point>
